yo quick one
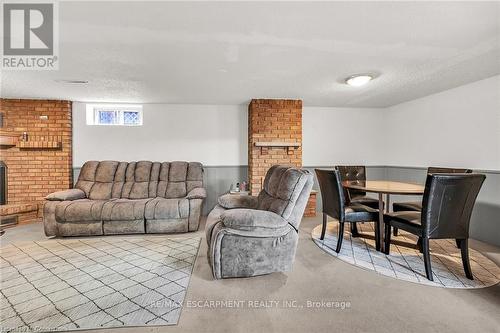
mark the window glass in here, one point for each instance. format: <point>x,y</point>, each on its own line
<point>107,117</point>
<point>131,118</point>
<point>116,115</point>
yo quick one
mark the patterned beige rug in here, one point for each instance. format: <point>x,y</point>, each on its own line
<point>406,263</point>
<point>89,283</point>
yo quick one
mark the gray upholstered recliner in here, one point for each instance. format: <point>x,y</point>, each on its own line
<point>113,197</point>
<point>250,236</point>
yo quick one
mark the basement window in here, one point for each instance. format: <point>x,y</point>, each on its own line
<point>114,115</point>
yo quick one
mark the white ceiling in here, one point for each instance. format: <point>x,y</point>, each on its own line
<point>228,53</point>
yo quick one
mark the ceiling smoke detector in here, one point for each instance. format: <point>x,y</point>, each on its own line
<point>72,81</point>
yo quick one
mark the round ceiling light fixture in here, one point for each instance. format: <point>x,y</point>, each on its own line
<point>358,80</point>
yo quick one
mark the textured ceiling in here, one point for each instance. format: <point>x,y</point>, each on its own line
<point>228,53</point>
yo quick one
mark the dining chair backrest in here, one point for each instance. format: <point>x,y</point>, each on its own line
<point>447,170</point>
<point>448,202</point>
<point>352,172</point>
<point>332,193</point>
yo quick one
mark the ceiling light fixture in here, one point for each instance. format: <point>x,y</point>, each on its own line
<point>358,80</point>
<point>72,81</point>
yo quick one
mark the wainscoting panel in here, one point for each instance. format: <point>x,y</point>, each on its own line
<point>217,180</point>
<point>485,222</point>
<point>372,172</point>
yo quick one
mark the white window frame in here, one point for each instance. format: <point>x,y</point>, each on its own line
<point>94,109</point>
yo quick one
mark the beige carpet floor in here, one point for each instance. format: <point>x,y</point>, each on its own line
<point>360,300</point>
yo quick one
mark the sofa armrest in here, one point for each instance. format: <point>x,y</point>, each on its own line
<point>250,219</point>
<point>197,193</point>
<point>66,195</point>
<point>231,201</point>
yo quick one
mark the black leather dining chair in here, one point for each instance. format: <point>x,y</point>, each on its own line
<point>447,207</point>
<point>352,173</point>
<point>356,172</point>
<point>335,206</point>
<point>417,205</point>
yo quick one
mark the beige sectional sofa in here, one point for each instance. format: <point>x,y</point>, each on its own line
<point>113,197</point>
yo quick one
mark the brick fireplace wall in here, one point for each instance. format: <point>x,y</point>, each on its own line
<point>272,121</point>
<point>43,164</point>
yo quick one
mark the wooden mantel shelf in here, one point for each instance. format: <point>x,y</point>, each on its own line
<point>8,139</point>
<point>280,144</point>
<point>277,144</point>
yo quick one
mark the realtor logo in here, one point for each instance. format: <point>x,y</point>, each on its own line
<point>29,36</point>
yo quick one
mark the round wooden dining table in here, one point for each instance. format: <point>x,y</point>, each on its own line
<point>384,187</point>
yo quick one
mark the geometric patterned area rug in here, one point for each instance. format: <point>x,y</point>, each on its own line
<point>405,262</point>
<point>68,284</point>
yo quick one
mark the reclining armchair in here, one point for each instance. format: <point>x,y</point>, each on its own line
<point>249,236</point>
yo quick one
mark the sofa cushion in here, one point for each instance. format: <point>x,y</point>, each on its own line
<point>116,191</point>
<point>176,179</point>
<point>101,191</point>
<point>140,186</point>
<point>197,193</point>
<point>105,171</point>
<point>124,209</point>
<point>178,171</point>
<point>273,179</point>
<point>250,219</point>
<point>71,194</point>
<point>231,201</point>
<point>129,180</point>
<point>143,171</point>
<point>162,208</point>
<point>176,190</point>
<point>103,180</point>
<point>139,180</point>
<point>176,185</point>
<point>86,178</point>
<point>88,170</point>
<point>154,178</point>
<point>79,210</point>
<point>194,176</point>
<point>163,179</point>
<point>282,187</point>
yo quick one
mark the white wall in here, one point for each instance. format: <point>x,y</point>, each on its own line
<point>217,135</point>
<point>333,136</point>
<point>211,134</point>
<point>458,127</point>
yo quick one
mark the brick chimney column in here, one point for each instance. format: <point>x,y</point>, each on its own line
<point>272,121</point>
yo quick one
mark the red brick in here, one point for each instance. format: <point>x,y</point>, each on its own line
<point>272,120</point>
<point>34,173</point>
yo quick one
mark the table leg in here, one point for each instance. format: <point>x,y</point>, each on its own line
<point>379,245</point>
<point>387,203</point>
<point>388,210</point>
